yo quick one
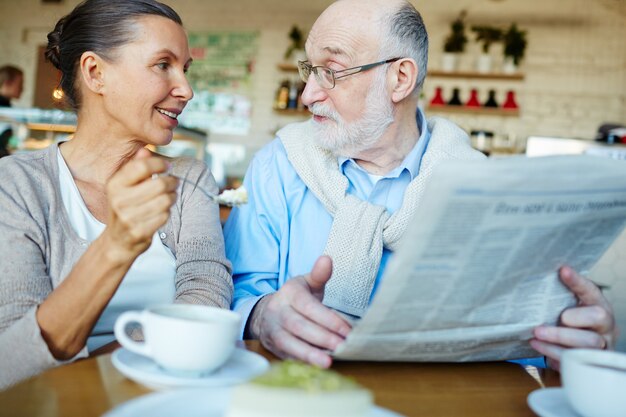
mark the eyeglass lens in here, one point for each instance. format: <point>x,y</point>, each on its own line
<point>305,70</point>
<point>324,76</point>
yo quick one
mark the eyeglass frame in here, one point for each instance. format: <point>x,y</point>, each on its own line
<point>359,68</point>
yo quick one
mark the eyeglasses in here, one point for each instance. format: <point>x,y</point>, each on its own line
<point>326,77</point>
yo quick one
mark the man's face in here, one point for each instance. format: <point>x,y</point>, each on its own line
<point>353,115</point>
<point>351,138</point>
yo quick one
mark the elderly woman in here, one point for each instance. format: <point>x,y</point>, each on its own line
<point>93,227</point>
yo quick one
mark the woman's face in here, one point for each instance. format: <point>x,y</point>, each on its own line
<point>145,84</point>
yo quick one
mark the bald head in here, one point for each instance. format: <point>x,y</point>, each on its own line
<point>379,7</point>
<point>380,29</point>
<point>370,11</point>
<point>360,20</point>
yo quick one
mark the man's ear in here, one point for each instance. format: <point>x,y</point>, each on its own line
<point>405,79</point>
<point>91,67</point>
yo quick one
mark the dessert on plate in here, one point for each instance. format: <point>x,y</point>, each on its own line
<point>234,197</point>
<point>293,388</point>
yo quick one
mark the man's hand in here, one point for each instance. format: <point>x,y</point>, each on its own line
<point>590,324</point>
<point>293,322</point>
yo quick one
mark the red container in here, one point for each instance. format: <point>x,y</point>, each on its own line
<point>438,98</point>
<point>473,100</point>
<point>510,103</point>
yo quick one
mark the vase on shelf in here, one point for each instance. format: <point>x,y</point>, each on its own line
<point>455,100</point>
<point>437,100</point>
<point>508,66</point>
<point>473,100</point>
<point>483,63</point>
<point>449,61</point>
<point>282,95</point>
<point>491,100</point>
<point>292,101</point>
<point>510,102</point>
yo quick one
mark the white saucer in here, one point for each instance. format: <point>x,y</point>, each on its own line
<point>206,402</point>
<point>550,402</point>
<point>242,366</point>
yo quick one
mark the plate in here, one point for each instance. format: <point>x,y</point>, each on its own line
<point>194,402</point>
<point>242,366</point>
<point>550,402</point>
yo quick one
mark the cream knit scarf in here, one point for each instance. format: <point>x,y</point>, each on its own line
<point>360,230</point>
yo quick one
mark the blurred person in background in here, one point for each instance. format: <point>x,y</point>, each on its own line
<point>11,86</point>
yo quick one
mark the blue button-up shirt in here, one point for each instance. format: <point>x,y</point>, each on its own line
<point>283,229</point>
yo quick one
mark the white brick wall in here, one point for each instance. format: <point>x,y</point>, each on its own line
<point>575,62</point>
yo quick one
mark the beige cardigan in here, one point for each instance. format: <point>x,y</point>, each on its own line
<point>40,248</point>
<point>370,227</point>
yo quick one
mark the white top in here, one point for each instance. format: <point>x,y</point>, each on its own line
<point>149,281</point>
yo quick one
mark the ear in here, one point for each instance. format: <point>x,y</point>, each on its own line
<point>405,78</point>
<point>92,71</point>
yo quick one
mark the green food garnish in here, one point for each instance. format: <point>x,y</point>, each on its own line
<point>294,374</point>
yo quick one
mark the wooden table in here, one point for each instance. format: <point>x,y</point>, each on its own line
<point>93,386</point>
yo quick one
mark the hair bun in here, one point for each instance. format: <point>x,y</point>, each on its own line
<point>53,50</point>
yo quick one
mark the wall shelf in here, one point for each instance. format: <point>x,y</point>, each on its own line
<point>474,110</point>
<point>287,67</point>
<point>293,112</point>
<point>51,127</point>
<point>477,75</point>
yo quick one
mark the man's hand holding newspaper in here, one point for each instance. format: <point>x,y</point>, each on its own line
<point>588,325</point>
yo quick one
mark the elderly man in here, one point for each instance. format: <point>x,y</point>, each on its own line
<point>345,184</point>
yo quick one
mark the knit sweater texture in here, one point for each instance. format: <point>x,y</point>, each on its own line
<point>40,248</point>
<point>360,230</point>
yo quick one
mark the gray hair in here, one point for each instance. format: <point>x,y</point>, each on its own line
<point>406,37</point>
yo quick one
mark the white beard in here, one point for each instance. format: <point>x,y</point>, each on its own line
<point>343,138</point>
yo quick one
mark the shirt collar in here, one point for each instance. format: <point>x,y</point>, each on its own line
<point>411,162</point>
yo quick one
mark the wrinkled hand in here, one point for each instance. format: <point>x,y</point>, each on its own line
<point>590,324</point>
<point>138,203</point>
<point>293,322</point>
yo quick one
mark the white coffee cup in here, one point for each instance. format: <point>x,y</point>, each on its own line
<point>182,338</point>
<point>595,382</point>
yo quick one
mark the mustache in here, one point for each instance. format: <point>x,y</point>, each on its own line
<point>318,109</point>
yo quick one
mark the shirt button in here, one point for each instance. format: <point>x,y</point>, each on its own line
<point>162,235</point>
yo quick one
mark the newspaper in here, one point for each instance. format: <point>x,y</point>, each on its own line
<point>476,270</point>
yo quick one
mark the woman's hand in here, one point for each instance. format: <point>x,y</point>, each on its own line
<point>139,202</point>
